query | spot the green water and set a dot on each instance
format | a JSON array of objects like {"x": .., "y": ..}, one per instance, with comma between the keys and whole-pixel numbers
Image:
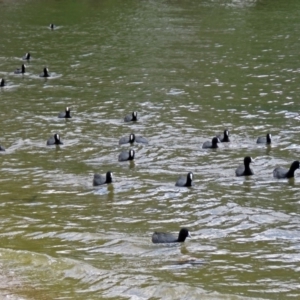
[{"x": 190, "y": 69}]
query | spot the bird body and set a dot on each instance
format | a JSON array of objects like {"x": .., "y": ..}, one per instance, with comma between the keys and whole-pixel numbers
[
  {"x": 21, "y": 71},
  {"x": 224, "y": 138},
  {"x": 26, "y": 56},
  {"x": 126, "y": 139},
  {"x": 211, "y": 145},
  {"x": 45, "y": 73},
  {"x": 245, "y": 170},
  {"x": 124, "y": 155},
  {"x": 132, "y": 138},
  {"x": 100, "y": 179},
  {"x": 54, "y": 140},
  {"x": 280, "y": 172},
  {"x": 163, "y": 237},
  {"x": 131, "y": 117},
  {"x": 185, "y": 180},
  {"x": 65, "y": 114},
  {"x": 264, "y": 139}
]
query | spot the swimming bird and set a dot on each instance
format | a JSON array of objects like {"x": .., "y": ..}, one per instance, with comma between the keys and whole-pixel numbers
[
  {"x": 54, "y": 140},
  {"x": 124, "y": 155},
  {"x": 45, "y": 73},
  {"x": 65, "y": 114},
  {"x": 21, "y": 71},
  {"x": 26, "y": 56},
  {"x": 131, "y": 117},
  {"x": 245, "y": 170},
  {"x": 2, "y": 82},
  {"x": 281, "y": 172},
  {"x": 212, "y": 145},
  {"x": 126, "y": 139},
  {"x": 162, "y": 237},
  {"x": 185, "y": 180},
  {"x": 264, "y": 139},
  {"x": 132, "y": 138},
  {"x": 51, "y": 26},
  {"x": 224, "y": 138},
  {"x": 2, "y": 148},
  {"x": 100, "y": 179}
]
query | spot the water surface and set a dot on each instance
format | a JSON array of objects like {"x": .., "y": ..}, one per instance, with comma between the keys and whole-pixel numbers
[{"x": 190, "y": 69}]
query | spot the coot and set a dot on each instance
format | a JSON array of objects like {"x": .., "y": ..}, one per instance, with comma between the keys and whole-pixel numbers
[
  {"x": 185, "y": 180},
  {"x": 101, "y": 179},
  {"x": 245, "y": 170},
  {"x": 65, "y": 114},
  {"x": 26, "y": 56},
  {"x": 54, "y": 140},
  {"x": 224, "y": 138},
  {"x": 264, "y": 139},
  {"x": 162, "y": 237},
  {"x": 45, "y": 73},
  {"x": 211, "y": 145},
  {"x": 21, "y": 71},
  {"x": 131, "y": 117},
  {"x": 132, "y": 138},
  {"x": 281, "y": 172},
  {"x": 127, "y": 155},
  {"x": 126, "y": 139}
]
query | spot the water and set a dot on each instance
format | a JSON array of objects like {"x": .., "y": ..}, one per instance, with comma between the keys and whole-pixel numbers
[{"x": 190, "y": 69}]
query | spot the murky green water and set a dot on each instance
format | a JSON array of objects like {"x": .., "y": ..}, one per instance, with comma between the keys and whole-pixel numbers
[{"x": 190, "y": 69}]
